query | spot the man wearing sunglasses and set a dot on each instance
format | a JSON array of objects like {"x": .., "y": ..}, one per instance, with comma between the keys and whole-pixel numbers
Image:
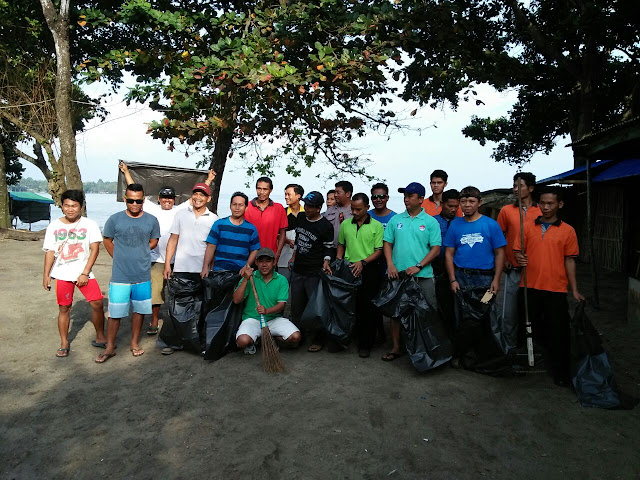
[
  {"x": 165, "y": 211},
  {"x": 129, "y": 237}
]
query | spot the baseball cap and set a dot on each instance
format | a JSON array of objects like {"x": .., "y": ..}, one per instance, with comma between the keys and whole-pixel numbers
[
  {"x": 315, "y": 199},
  {"x": 202, "y": 187},
  {"x": 167, "y": 192},
  {"x": 265, "y": 252},
  {"x": 413, "y": 187}
]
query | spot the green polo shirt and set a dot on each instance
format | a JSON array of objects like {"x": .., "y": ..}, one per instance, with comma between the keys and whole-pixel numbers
[
  {"x": 276, "y": 290},
  {"x": 412, "y": 239},
  {"x": 360, "y": 242}
]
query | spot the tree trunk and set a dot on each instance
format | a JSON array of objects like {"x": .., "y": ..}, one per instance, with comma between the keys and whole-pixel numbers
[
  {"x": 223, "y": 144},
  {"x": 58, "y": 24},
  {"x": 5, "y": 221}
]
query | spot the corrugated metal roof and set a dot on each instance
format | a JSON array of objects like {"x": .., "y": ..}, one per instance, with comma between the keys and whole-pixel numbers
[
  {"x": 629, "y": 167},
  {"x": 589, "y": 138},
  {"x": 576, "y": 173},
  {"x": 29, "y": 197}
]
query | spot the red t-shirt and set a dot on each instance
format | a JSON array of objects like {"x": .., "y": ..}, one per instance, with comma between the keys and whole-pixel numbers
[
  {"x": 268, "y": 222},
  {"x": 509, "y": 221},
  {"x": 430, "y": 207}
]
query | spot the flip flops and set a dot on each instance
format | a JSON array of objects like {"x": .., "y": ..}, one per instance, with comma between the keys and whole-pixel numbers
[
  {"x": 100, "y": 344},
  {"x": 390, "y": 356},
  {"x": 152, "y": 330},
  {"x": 63, "y": 352},
  {"x": 137, "y": 352},
  {"x": 103, "y": 357}
]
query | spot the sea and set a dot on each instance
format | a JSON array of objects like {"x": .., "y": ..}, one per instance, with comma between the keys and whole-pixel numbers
[{"x": 100, "y": 206}]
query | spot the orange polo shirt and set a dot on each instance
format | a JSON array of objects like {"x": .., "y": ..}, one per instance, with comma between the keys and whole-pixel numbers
[
  {"x": 430, "y": 207},
  {"x": 546, "y": 253},
  {"x": 509, "y": 221}
]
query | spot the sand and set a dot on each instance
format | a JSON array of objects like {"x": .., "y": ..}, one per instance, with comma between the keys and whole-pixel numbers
[{"x": 330, "y": 416}]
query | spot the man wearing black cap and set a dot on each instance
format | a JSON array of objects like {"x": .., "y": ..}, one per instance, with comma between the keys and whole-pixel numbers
[
  {"x": 165, "y": 212},
  {"x": 311, "y": 255}
]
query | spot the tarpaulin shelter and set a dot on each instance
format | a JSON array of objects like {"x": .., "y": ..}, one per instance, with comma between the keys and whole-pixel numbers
[
  {"x": 154, "y": 177},
  {"x": 29, "y": 207}
]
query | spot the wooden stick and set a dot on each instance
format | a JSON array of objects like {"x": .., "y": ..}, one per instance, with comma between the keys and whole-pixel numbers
[
  {"x": 527, "y": 321},
  {"x": 271, "y": 361}
]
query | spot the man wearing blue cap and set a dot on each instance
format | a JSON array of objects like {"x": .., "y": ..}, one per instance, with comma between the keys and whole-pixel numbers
[{"x": 411, "y": 242}]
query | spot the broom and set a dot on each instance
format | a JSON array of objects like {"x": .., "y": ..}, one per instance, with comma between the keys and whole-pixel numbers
[
  {"x": 271, "y": 361},
  {"x": 527, "y": 320}
]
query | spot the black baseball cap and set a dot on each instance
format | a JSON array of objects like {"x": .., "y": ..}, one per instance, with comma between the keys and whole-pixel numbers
[
  {"x": 315, "y": 199},
  {"x": 167, "y": 192}
]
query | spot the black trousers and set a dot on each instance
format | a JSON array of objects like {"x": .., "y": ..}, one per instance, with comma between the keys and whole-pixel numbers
[
  {"x": 302, "y": 287},
  {"x": 549, "y": 316},
  {"x": 368, "y": 317}
]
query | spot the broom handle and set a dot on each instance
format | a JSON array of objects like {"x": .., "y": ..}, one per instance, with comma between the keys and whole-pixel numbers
[
  {"x": 527, "y": 322},
  {"x": 263, "y": 321}
]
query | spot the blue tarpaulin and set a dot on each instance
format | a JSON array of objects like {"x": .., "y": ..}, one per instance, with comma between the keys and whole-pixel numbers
[{"x": 602, "y": 171}]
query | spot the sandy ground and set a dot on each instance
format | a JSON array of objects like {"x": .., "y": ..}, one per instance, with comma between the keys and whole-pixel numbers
[{"x": 330, "y": 416}]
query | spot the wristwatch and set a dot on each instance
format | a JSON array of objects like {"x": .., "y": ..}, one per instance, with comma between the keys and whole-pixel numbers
[
  {"x": 418, "y": 266},
  {"x": 363, "y": 262}
]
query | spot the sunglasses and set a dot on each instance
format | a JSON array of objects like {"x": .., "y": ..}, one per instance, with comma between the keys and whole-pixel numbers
[
  {"x": 139, "y": 201},
  {"x": 378, "y": 197}
]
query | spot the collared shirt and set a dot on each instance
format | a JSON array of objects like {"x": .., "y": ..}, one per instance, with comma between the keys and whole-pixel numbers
[
  {"x": 360, "y": 241},
  {"x": 336, "y": 215},
  {"x": 546, "y": 253},
  {"x": 509, "y": 221},
  {"x": 192, "y": 243},
  {"x": 412, "y": 239},
  {"x": 269, "y": 222},
  {"x": 287, "y": 251},
  {"x": 444, "y": 226},
  {"x": 432, "y": 209},
  {"x": 270, "y": 293}
]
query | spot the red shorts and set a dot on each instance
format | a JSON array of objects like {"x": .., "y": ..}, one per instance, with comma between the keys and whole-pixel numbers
[{"x": 64, "y": 291}]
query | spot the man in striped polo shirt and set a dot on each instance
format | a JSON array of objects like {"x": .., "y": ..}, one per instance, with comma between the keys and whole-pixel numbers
[{"x": 232, "y": 242}]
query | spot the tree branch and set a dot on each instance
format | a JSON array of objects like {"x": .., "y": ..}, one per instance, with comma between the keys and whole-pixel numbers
[
  {"x": 42, "y": 166},
  {"x": 23, "y": 126}
]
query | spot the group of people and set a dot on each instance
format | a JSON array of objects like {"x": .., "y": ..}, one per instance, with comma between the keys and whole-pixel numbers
[{"x": 441, "y": 240}]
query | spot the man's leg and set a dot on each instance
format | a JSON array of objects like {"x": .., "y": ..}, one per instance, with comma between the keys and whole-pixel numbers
[
  {"x": 141, "y": 306},
  {"x": 557, "y": 310},
  {"x": 119, "y": 303},
  {"x": 365, "y": 310},
  {"x": 63, "y": 330},
  {"x": 284, "y": 330},
  {"x": 247, "y": 335},
  {"x": 157, "y": 284},
  {"x": 93, "y": 295}
]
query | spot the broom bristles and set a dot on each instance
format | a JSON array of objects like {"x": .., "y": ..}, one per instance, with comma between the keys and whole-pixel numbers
[{"x": 271, "y": 361}]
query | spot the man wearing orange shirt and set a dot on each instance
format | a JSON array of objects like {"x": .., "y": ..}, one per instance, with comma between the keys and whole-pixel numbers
[
  {"x": 550, "y": 249},
  {"x": 433, "y": 204},
  {"x": 509, "y": 221}
]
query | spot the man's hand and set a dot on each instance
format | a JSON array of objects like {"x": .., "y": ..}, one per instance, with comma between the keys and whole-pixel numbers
[
  {"x": 248, "y": 272},
  {"x": 242, "y": 270},
  {"x": 82, "y": 280},
  {"x": 326, "y": 268},
  {"x": 411, "y": 271},
  {"x": 204, "y": 273},
  {"x": 455, "y": 286},
  {"x": 261, "y": 310},
  {"x": 577, "y": 295},
  {"x": 356, "y": 269},
  {"x": 392, "y": 272},
  {"x": 507, "y": 265},
  {"x": 211, "y": 176},
  {"x": 46, "y": 282},
  {"x": 167, "y": 271},
  {"x": 123, "y": 167},
  {"x": 290, "y": 242},
  {"x": 522, "y": 259},
  {"x": 495, "y": 286},
  {"x": 277, "y": 259}
]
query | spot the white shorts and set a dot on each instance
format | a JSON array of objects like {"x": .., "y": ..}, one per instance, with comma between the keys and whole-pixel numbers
[{"x": 279, "y": 327}]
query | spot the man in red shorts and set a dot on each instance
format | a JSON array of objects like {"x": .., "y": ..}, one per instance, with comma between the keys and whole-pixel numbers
[{"x": 71, "y": 246}]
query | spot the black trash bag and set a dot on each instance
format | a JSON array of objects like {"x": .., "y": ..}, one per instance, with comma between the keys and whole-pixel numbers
[
  {"x": 221, "y": 326},
  {"x": 180, "y": 330},
  {"x": 426, "y": 341},
  {"x": 216, "y": 287},
  {"x": 475, "y": 341},
  {"x": 332, "y": 307},
  {"x": 591, "y": 371}
]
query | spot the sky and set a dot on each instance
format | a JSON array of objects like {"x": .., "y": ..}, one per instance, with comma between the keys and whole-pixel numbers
[{"x": 403, "y": 158}]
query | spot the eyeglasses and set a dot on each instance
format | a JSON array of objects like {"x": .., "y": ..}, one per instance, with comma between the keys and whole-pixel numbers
[
  {"x": 139, "y": 201},
  {"x": 378, "y": 197}
]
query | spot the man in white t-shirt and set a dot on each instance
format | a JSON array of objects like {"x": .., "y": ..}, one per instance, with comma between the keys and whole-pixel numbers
[
  {"x": 165, "y": 211},
  {"x": 71, "y": 245}
]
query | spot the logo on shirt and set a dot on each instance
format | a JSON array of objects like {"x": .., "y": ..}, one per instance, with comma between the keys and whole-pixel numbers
[
  {"x": 471, "y": 239},
  {"x": 422, "y": 228},
  {"x": 400, "y": 225}
]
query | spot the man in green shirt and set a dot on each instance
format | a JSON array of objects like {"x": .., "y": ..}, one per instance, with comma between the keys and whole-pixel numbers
[
  {"x": 411, "y": 242},
  {"x": 360, "y": 244},
  {"x": 273, "y": 292}
]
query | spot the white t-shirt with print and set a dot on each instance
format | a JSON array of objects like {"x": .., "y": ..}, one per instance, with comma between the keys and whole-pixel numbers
[{"x": 71, "y": 244}]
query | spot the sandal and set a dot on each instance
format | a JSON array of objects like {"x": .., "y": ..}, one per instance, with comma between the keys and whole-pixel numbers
[
  {"x": 137, "y": 352},
  {"x": 390, "y": 356},
  {"x": 315, "y": 348},
  {"x": 103, "y": 357},
  {"x": 63, "y": 352},
  {"x": 152, "y": 330}
]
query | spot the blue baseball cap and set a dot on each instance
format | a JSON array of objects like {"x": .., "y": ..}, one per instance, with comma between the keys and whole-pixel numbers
[{"x": 414, "y": 187}]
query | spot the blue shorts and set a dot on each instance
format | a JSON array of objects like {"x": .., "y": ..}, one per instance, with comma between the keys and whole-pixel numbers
[{"x": 121, "y": 295}]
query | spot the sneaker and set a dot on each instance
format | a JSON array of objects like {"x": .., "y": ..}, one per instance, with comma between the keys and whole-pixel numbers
[{"x": 250, "y": 350}]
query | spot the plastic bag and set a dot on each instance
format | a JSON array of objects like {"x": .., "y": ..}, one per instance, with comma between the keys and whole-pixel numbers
[
  {"x": 332, "y": 306},
  {"x": 425, "y": 338},
  {"x": 216, "y": 287},
  {"x": 591, "y": 371},
  {"x": 180, "y": 330}
]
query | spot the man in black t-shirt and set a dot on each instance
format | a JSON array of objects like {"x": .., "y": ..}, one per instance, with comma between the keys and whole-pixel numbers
[{"x": 311, "y": 255}]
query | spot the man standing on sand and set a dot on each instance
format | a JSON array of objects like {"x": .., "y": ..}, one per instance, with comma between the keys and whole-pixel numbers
[
  {"x": 433, "y": 204},
  {"x": 360, "y": 244},
  {"x": 129, "y": 237},
  {"x": 341, "y": 210},
  {"x": 165, "y": 212},
  {"x": 268, "y": 217},
  {"x": 292, "y": 195},
  {"x": 475, "y": 253},
  {"x": 549, "y": 253},
  {"x": 273, "y": 292},
  {"x": 312, "y": 254},
  {"x": 71, "y": 245},
  {"x": 232, "y": 242},
  {"x": 411, "y": 242},
  {"x": 509, "y": 221}
]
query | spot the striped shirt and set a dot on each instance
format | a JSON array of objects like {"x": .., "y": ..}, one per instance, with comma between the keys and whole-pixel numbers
[{"x": 233, "y": 243}]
